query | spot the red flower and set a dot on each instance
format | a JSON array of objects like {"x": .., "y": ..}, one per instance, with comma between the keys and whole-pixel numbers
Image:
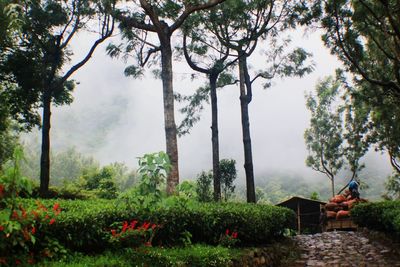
[
  {"x": 113, "y": 232},
  {"x": 234, "y": 235},
  {"x": 17, "y": 262},
  {"x": 133, "y": 224},
  {"x": 154, "y": 226},
  {"x": 52, "y": 221},
  {"x": 147, "y": 244},
  {"x": 227, "y": 232},
  {"x": 1, "y": 228},
  {"x": 56, "y": 206},
  {"x": 146, "y": 225},
  {"x": 33, "y": 231},
  {"x": 125, "y": 226}
]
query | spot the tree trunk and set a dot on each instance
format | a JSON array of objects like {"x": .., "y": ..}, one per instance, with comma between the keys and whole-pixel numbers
[
  {"x": 45, "y": 156},
  {"x": 214, "y": 136},
  {"x": 245, "y": 99},
  {"x": 169, "y": 117},
  {"x": 333, "y": 186}
]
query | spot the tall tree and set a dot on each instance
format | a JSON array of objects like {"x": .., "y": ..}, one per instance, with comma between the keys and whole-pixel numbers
[
  {"x": 11, "y": 17},
  {"x": 260, "y": 20},
  {"x": 365, "y": 35},
  {"x": 42, "y": 52},
  {"x": 324, "y": 137},
  {"x": 206, "y": 55},
  {"x": 162, "y": 18}
]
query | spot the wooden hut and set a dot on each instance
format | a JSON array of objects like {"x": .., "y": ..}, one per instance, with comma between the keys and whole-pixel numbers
[{"x": 307, "y": 211}]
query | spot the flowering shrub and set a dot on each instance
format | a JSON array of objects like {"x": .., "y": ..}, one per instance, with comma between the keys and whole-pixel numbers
[
  {"x": 229, "y": 239},
  {"x": 22, "y": 231},
  {"x": 132, "y": 235}
]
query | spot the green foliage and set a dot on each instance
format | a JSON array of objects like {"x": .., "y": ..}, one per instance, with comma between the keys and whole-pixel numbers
[
  {"x": 23, "y": 232},
  {"x": 12, "y": 179},
  {"x": 188, "y": 189},
  {"x": 228, "y": 176},
  {"x": 380, "y": 216},
  {"x": 197, "y": 256},
  {"x": 315, "y": 196},
  {"x": 393, "y": 187},
  {"x": 103, "y": 182},
  {"x": 324, "y": 137},
  {"x": 203, "y": 186},
  {"x": 359, "y": 33},
  {"x": 153, "y": 169},
  {"x": 85, "y": 225},
  {"x": 193, "y": 109}
]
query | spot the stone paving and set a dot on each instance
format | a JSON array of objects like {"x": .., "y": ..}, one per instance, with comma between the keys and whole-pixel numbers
[{"x": 344, "y": 249}]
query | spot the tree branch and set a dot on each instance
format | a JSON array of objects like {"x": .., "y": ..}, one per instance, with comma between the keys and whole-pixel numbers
[
  {"x": 151, "y": 13},
  {"x": 340, "y": 43},
  {"x": 189, "y": 59},
  {"x": 129, "y": 22},
  {"x": 190, "y": 9},
  {"x": 74, "y": 68}
]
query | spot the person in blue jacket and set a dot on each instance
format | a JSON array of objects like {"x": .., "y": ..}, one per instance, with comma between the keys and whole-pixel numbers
[{"x": 353, "y": 187}]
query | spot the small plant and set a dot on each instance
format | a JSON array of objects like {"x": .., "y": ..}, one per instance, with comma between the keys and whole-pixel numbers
[
  {"x": 203, "y": 186},
  {"x": 130, "y": 235},
  {"x": 229, "y": 239},
  {"x": 228, "y": 176},
  {"x": 153, "y": 170}
]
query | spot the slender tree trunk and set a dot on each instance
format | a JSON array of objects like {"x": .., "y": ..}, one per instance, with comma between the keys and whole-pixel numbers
[
  {"x": 395, "y": 164},
  {"x": 45, "y": 156},
  {"x": 333, "y": 186},
  {"x": 244, "y": 104},
  {"x": 214, "y": 136},
  {"x": 169, "y": 117}
]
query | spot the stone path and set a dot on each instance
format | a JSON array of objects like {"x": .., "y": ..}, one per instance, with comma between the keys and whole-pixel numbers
[{"x": 344, "y": 249}]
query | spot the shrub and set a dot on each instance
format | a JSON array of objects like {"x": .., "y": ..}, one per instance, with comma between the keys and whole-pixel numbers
[
  {"x": 381, "y": 216},
  {"x": 23, "y": 231},
  {"x": 203, "y": 186},
  {"x": 86, "y": 225},
  {"x": 194, "y": 256}
]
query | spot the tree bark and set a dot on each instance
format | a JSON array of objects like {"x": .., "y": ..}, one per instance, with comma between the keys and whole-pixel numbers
[
  {"x": 169, "y": 117},
  {"x": 333, "y": 186},
  {"x": 214, "y": 135},
  {"x": 245, "y": 98},
  {"x": 45, "y": 153}
]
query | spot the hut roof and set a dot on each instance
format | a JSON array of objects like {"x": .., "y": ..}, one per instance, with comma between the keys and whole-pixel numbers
[{"x": 292, "y": 202}]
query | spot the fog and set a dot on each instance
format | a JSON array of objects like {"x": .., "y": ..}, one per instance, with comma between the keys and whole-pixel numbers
[{"x": 118, "y": 118}]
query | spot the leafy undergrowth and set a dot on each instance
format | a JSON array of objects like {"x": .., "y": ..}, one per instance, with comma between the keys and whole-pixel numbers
[
  {"x": 282, "y": 253},
  {"x": 196, "y": 255},
  {"x": 380, "y": 216}
]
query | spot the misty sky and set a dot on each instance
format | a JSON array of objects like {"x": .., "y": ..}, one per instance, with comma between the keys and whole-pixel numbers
[{"x": 118, "y": 118}]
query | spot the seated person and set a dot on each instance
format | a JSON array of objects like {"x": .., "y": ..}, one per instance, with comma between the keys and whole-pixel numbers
[{"x": 353, "y": 187}]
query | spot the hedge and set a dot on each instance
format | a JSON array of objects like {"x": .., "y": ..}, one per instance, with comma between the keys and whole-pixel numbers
[
  {"x": 381, "y": 216},
  {"x": 84, "y": 225}
]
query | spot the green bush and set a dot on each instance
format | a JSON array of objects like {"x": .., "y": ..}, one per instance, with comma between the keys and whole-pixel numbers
[
  {"x": 381, "y": 216},
  {"x": 85, "y": 225},
  {"x": 194, "y": 256}
]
